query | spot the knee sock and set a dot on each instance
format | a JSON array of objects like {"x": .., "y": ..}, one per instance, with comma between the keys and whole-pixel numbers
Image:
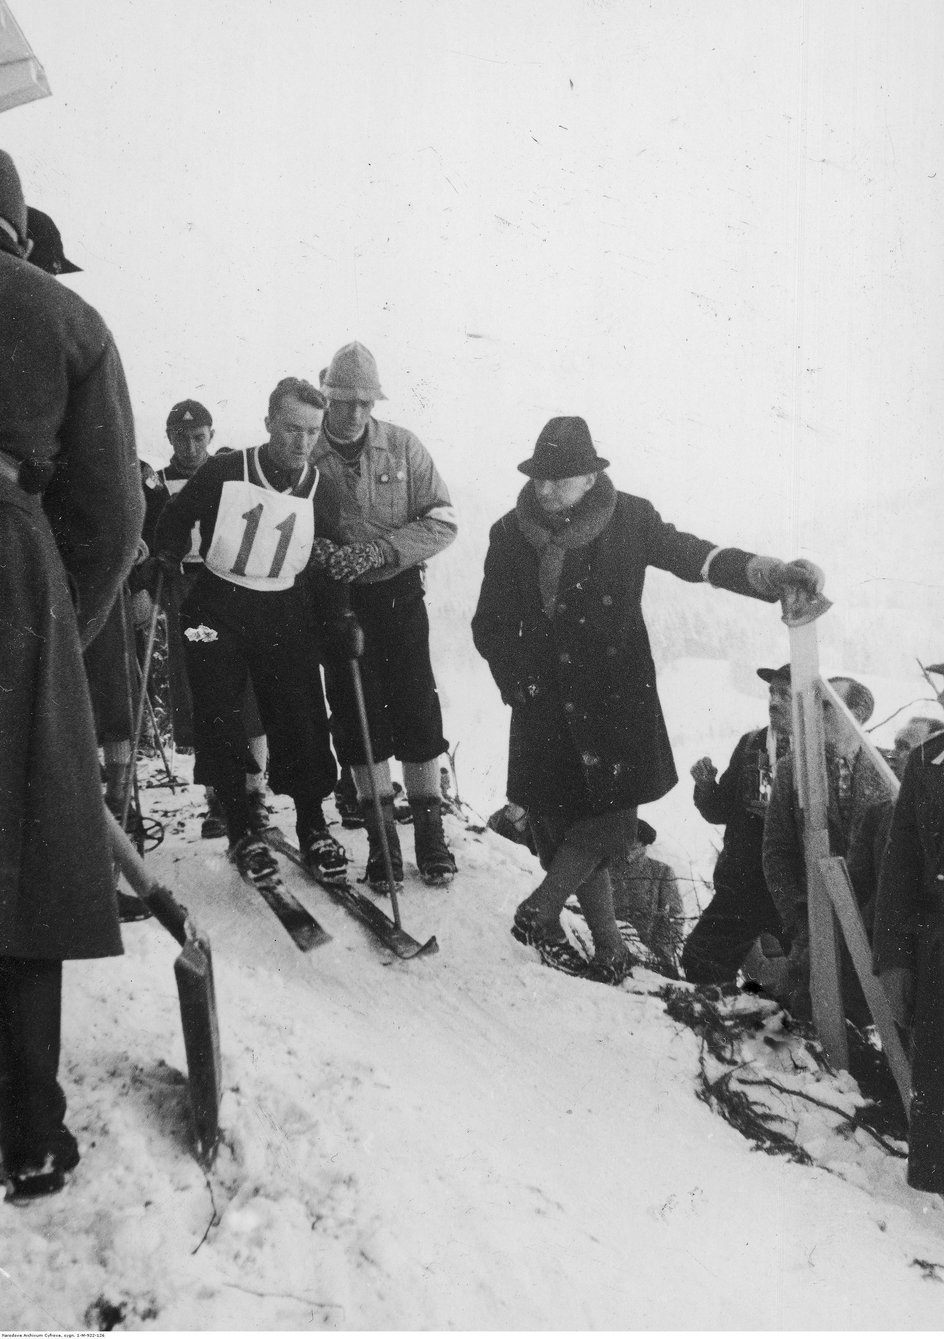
[
  {"x": 421, "y": 780},
  {"x": 571, "y": 867},
  {"x": 381, "y": 776},
  {"x": 117, "y": 754},
  {"x": 259, "y": 752}
]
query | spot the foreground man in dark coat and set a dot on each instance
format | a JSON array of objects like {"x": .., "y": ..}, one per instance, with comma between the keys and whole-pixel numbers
[
  {"x": 908, "y": 950},
  {"x": 70, "y": 516},
  {"x": 559, "y": 621}
]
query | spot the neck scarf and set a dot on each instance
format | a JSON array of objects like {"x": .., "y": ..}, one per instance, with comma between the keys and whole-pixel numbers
[{"x": 551, "y": 536}]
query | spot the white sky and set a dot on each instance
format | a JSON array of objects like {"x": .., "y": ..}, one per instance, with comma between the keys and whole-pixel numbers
[{"x": 711, "y": 227}]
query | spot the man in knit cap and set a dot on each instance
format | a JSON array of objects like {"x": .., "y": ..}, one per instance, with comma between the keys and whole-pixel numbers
[
  {"x": 560, "y": 622},
  {"x": 396, "y": 514},
  {"x": 70, "y": 517}
]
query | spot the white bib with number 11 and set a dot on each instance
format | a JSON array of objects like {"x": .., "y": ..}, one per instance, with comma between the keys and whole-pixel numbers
[{"x": 262, "y": 538}]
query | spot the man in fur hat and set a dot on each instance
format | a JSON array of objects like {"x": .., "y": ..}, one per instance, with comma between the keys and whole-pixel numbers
[{"x": 559, "y": 621}]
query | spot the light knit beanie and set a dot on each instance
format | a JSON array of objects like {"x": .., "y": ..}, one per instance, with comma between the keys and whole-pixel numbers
[{"x": 353, "y": 375}]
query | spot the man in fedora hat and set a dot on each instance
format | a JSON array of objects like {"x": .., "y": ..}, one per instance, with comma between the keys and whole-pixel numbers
[
  {"x": 70, "y": 518},
  {"x": 559, "y": 621},
  {"x": 396, "y": 514},
  {"x": 741, "y": 909}
]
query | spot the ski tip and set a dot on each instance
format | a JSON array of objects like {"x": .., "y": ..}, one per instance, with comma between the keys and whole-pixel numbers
[{"x": 311, "y": 938}]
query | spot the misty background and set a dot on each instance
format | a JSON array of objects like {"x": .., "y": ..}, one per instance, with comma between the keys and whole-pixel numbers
[{"x": 710, "y": 227}]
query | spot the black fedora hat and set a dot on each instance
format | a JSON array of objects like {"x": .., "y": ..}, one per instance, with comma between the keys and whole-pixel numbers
[
  {"x": 563, "y": 450},
  {"x": 769, "y": 675},
  {"x": 47, "y": 252}
]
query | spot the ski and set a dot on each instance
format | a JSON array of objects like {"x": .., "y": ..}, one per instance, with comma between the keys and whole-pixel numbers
[
  {"x": 356, "y": 903},
  {"x": 300, "y": 925}
]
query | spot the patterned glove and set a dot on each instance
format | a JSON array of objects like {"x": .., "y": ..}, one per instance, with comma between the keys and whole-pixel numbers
[
  {"x": 322, "y": 550},
  {"x": 770, "y": 577},
  {"x": 353, "y": 560}
]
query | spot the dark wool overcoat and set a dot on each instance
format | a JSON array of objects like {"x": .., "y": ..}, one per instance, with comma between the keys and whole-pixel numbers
[
  {"x": 909, "y": 932},
  {"x": 587, "y": 731},
  {"x": 62, "y": 400}
]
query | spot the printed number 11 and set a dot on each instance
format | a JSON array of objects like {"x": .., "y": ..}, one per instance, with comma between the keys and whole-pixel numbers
[{"x": 252, "y": 519}]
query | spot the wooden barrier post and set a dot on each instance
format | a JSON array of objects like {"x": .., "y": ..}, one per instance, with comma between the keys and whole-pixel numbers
[
  {"x": 843, "y": 899},
  {"x": 809, "y": 752}
]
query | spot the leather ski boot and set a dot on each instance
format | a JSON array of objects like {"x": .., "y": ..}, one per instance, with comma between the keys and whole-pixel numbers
[
  {"x": 433, "y": 857},
  {"x": 376, "y": 875}
]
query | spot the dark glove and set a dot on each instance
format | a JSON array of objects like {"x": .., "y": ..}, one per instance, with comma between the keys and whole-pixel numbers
[
  {"x": 160, "y": 563},
  {"x": 346, "y": 637},
  {"x": 770, "y": 577},
  {"x": 353, "y": 560},
  {"x": 322, "y": 550}
]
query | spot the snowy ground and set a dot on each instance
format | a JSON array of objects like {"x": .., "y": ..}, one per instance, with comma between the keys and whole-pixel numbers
[{"x": 469, "y": 1141}]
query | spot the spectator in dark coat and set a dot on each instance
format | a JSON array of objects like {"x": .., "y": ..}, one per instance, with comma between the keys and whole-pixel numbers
[
  {"x": 70, "y": 517},
  {"x": 908, "y": 951},
  {"x": 854, "y": 788},
  {"x": 868, "y": 845},
  {"x": 559, "y": 621},
  {"x": 741, "y": 909}
]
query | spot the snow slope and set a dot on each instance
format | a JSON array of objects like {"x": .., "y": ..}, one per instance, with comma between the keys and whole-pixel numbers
[{"x": 469, "y": 1141}]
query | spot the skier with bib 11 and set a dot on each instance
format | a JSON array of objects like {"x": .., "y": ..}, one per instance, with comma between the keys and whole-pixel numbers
[{"x": 248, "y": 617}]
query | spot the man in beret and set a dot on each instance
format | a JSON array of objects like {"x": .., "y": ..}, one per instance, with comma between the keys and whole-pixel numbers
[
  {"x": 559, "y": 621},
  {"x": 741, "y": 909},
  {"x": 70, "y": 519},
  {"x": 396, "y": 514}
]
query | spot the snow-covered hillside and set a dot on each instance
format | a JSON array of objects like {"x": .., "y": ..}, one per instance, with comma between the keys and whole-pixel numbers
[{"x": 467, "y": 1141}]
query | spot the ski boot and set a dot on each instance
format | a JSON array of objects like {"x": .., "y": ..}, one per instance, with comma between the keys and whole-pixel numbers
[
  {"x": 48, "y": 1176},
  {"x": 253, "y": 858},
  {"x": 611, "y": 971},
  {"x": 433, "y": 857},
  {"x": 531, "y": 925},
  {"x": 325, "y": 857},
  {"x": 376, "y": 873},
  {"x": 214, "y": 820}
]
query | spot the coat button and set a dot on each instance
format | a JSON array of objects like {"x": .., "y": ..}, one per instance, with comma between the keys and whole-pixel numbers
[
  {"x": 400, "y": 474},
  {"x": 385, "y": 478},
  {"x": 565, "y": 657},
  {"x": 569, "y": 707},
  {"x": 590, "y": 760},
  {"x": 608, "y": 599}
]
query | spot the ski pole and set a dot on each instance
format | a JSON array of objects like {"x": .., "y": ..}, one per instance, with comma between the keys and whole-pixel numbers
[
  {"x": 130, "y": 782},
  {"x": 171, "y": 779},
  {"x": 348, "y": 615},
  {"x": 145, "y": 671},
  {"x": 374, "y": 789}
]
